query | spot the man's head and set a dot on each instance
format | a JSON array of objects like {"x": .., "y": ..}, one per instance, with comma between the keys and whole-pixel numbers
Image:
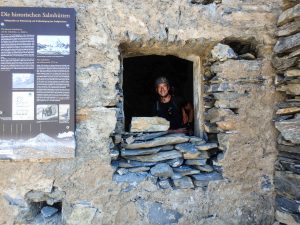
[{"x": 162, "y": 86}]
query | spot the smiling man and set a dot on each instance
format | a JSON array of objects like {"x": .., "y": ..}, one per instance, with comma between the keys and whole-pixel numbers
[{"x": 170, "y": 107}]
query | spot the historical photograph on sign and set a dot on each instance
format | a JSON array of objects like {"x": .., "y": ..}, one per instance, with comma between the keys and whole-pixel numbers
[
  {"x": 64, "y": 113},
  {"x": 22, "y": 105},
  {"x": 46, "y": 112},
  {"x": 53, "y": 45},
  {"x": 23, "y": 80}
]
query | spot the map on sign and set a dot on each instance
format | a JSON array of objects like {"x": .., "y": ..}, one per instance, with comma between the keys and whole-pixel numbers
[{"x": 37, "y": 83}]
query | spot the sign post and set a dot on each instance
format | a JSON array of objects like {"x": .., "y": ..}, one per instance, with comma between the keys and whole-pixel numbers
[{"x": 37, "y": 83}]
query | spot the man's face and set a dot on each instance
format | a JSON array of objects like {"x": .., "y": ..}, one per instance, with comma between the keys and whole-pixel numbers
[{"x": 162, "y": 89}]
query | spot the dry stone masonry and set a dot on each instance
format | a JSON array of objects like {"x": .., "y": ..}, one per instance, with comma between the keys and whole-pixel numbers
[
  {"x": 168, "y": 160},
  {"x": 287, "y": 120}
]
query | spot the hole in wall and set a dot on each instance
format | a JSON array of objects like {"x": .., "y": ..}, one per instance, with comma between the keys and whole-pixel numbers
[{"x": 245, "y": 48}]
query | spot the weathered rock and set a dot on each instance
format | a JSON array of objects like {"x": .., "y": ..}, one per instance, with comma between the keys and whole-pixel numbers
[
  {"x": 200, "y": 183},
  {"x": 286, "y": 4},
  {"x": 289, "y": 15},
  {"x": 211, "y": 128},
  {"x": 283, "y": 63},
  {"x": 227, "y": 104},
  {"x": 183, "y": 183},
  {"x": 48, "y": 211},
  {"x": 145, "y": 151},
  {"x": 158, "y": 215},
  {"x": 195, "y": 162},
  {"x": 220, "y": 87},
  {"x": 190, "y": 155},
  {"x": 247, "y": 56},
  {"x": 290, "y": 130},
  {"x": 162, "y": 170},
  {"x": 167, "y": 147},
  {"x": 207, "y": 176},
  {"x": 207, "y": 146},
  {"x": 291, "y": 149},
  {"x": 289, "y": 29},
  {"x": 130, "y": 177},
  {"x": 223, "y": 52},
  {"x": 186, "y": 148},
  {"x": 224, "y": 141},
  {"x": 131, "y": 163},
  {"x": 196, "y": 140},
  {"x": 175, "y": 162},
  {"x": 288, "y": 205},
  {"x": 146, "y": 137},
  {"x": 217, "y": 114},
  {"x": 122, "y": 171},
  {"x": 288, "y": 104},
  {"x": 287, "y": 44},
  {"x": 286, "y": 218},
  {"x": 292, "y": 73},
  {"x": 114, "y": 154},
  {"x": 166, "y": 140},
  {"x": 138, "y": 169},
  {"x": 185, "y": 170},
  {"x": 295, "y": 53},
  {"x": 160, "y": 156},
  {"x": 229, "y": 124},
  {"x": 176, "y": 176},
  {"x": 292, "y": 89},
  {"x": 82, "y": 214},
  {"x": 165, "y": 184},
  {"x": 287, "y": 184},
  {"x": 149, "y": 124},
  {"x": 205, "y": 168},
  {"x": 285, "y": 111}
]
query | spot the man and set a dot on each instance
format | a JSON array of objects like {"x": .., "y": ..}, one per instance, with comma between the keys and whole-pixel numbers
[{"x": 167, "y": 106}]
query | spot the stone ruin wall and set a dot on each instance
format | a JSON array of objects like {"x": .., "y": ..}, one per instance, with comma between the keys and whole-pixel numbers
[{"x": 107, "y": 31}]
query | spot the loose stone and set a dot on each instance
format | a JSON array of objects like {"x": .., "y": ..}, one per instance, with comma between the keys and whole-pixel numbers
[
  {"x": 290, "y": 130},
  {"x": 196, "y": 162},
  {"x": 149, "y": 124},
  {"x": 223, "y": 52},
  {"x": 166, "y": 140},
  {"x": 186, "y": 148},
  {"x": 185, "y": 170},
  {"x": 145, "y": 151},
  {"x": 162, "y": 170},
  {"x": 192, "y": 155},
  {"x": 207, "y": 176},
  {"x": 183, "y": 183},
  {"x": 48, "y": 211},
  {"x": 160, "y": 156},
  {"x": 122, "y": 171},
  {"x": 131, "y": 163},
  {"x": 285, "y": 111},
  {"x": 146, "y": 137},
  {"x": 138, "y": 169},
  {"x": 196, "y": 140},
  {"x": 206, "y": 146}
]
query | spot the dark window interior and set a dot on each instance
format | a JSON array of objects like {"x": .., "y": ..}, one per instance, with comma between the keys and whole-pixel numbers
[{"x": 139, "y": 78}]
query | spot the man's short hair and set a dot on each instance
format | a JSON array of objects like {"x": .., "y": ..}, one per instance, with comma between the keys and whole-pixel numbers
[{"x": 161, "y": 80}]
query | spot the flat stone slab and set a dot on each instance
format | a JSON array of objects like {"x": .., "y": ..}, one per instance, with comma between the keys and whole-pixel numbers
[
  {"x": 189, "y": 155},
  {"x": 196, "y": 140},
  {"x": 175, "y": 162},
  {"x": 149, "y": 124},
  {"x": 131, "y": 163},
  {"x": 145, "y": 151},
  {"x": 162, "y": 170},
  {"x": 138, "y": 169},
  {"x": 207, "y": 176},
  {"x": 186, "y": 148},
  {"x": 287, "y": 44},
  {"x": 160, "y": 156},
  {"x": 290, "y": 130},
  {"x": 130, "y": 177},
  {"x": 166, "y": 140},
  {"x": 147, "y": 137},
  {"x": 205, "y": 168},
  {"x": 183, "y": 183},
  {"x": 195, "y": 162},
  {"x": 292, "y": 89},
  {"x": 286, "y": 111},
  {"x": 48, "y": 211},
  {"x": 186, "y": 170},
  {"x": 206, "y": 146},
  {"x": 164, "y": 184},
  {"x": 292, "y": 73},
  {"x": 289, "y": 15}
]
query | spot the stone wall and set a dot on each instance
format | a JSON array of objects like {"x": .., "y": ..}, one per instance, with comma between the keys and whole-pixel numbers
[
  {"x": 240, "y": 115},
  {"x": 287, "y": 119}
]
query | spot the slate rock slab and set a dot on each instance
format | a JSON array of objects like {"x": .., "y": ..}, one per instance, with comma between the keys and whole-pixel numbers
[
  {"x": 130, "y": 177},
  {"x": 175, "y": 162},
  {"x": 162, "y": 170},
  {"x": 207, "y": 176},
  {"x": 48, "y": 211},
  {"x": 149, "y": 124},
  {"x": 160, "y": 156},
  {"x": 223, "y": 52},
  {"x": 165, "y": 140},
  {"x": 183, "y": 183},
  {"x": 287, "y": 44},
  {"x": 186, "y": 148},
  {"x": 186, "y": 170},
  {"x": 289, "y": 15},
  {"x": 131, "y": 163},
  {"x": 196, "y": 162},
  {"x": 146, "y": 137},
  {"x": 145, "y": 151},
  {"x": 206, "y": 146},
  {"x": 290, "y": 130},
  {"x": 164, "y": 184}
]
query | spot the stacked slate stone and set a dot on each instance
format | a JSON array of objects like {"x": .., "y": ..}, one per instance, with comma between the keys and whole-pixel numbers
[
  {"x": 149, "y": 151},
  {"x": 287, "y": 121}
]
